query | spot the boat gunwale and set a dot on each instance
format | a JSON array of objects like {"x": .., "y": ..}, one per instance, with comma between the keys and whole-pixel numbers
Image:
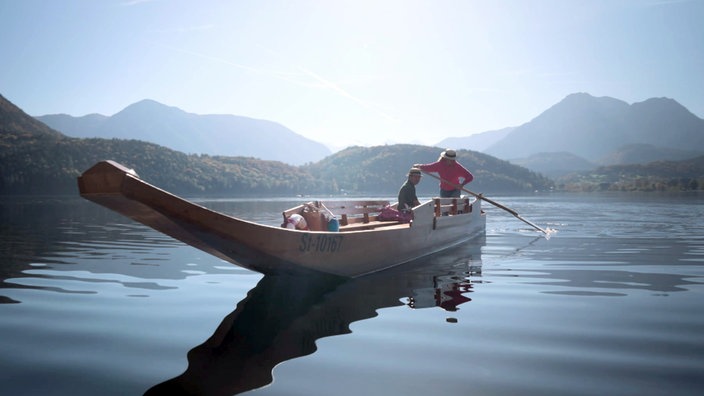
[{"x": 193, "y": 222}]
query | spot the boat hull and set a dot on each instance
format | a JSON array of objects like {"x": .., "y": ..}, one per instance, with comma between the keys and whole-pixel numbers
[{"x": 268, "y": 249}]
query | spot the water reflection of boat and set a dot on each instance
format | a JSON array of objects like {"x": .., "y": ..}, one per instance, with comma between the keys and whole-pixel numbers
[{"x": 282, "y": 317}]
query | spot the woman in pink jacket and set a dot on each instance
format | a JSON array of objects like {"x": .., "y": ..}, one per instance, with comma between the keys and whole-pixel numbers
[{"x": 453, "y": 175}]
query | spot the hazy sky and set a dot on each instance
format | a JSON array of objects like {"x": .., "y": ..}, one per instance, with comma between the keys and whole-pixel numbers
[{"x": 359, "y": 71}]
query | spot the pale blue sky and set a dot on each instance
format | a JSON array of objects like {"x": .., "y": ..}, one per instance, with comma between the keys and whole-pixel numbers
[{"x": 350, "y": 72}]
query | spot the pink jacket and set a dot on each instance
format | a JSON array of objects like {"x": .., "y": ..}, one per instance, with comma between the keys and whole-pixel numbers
[{"x": 450, "y": 171}]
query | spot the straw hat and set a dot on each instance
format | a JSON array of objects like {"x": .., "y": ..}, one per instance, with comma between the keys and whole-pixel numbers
[
  {"x": 414, "y": 171},
  {"x": 449, "y": 154}
]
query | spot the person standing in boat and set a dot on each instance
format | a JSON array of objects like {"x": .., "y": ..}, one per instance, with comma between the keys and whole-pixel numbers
[
  {"x": 453, "y": 174},
  {"x": 407, "y": 198}
]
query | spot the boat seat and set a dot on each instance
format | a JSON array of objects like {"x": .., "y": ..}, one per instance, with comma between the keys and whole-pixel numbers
[
  {"x": 452, "y": 206},
  {"x": 370, "y": 225},
  {"x": 353, "y": 212}
]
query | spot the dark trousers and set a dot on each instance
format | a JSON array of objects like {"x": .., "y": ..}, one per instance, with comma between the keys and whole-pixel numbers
[{"x": 449, "y": 193}]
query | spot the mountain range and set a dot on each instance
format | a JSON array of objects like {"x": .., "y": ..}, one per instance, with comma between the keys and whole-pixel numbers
[
  {"x": 579, "y": 133},
  {"x": 583, "y": 132},
  {"x": 213, "y": 134},
  {"x": 37, "y": 160}
]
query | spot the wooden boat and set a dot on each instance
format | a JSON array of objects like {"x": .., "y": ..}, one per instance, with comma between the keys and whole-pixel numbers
[{"x": 363, "y": 244}]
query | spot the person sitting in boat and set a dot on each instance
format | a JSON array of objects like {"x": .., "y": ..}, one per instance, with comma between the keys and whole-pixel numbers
[
  {"x": 407, "y": 198},
  {"x": 453, "y": 175}
]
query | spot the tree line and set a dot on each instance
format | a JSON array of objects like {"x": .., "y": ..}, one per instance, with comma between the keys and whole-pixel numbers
[
  {"x": 48, "y": 162},
  {"x": 655, "y": 176}
]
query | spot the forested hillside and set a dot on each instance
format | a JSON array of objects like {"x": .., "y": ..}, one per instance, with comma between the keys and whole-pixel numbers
[
  {"x": 655, "y": 176},
  {"x": 35, "y": 159},
  {"x": 53, "y": 168},
  {"x": 383, "y": 168}
]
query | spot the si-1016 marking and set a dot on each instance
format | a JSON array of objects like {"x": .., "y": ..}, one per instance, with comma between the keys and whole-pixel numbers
[{"x": 321, "y": 243}]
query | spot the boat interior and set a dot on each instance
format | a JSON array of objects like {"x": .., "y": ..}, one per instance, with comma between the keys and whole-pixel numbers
[{"x": 364, "y": 214}]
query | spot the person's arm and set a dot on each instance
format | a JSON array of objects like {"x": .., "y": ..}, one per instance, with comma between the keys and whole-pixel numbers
[
  {"x": 414, "y": 197},
  {"x": 431, "y": 167},
  {"x": 466, "y": 175}
]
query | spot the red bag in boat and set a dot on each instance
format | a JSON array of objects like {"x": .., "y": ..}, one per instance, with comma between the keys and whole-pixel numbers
[{"x": 387, "y": 213}]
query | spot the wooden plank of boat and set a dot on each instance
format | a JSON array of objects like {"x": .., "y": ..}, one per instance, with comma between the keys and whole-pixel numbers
[{"x": 437, "y": 225}]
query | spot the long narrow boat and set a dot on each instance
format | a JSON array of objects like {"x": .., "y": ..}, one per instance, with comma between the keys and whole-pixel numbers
[{"x": 361, "y": 244}]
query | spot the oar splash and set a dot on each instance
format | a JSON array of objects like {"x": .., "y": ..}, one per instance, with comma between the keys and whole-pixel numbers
[{"x": 547, "y": 232}]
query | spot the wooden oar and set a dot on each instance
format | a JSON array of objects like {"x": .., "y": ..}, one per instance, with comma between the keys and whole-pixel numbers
[{"x": 498, "y": 205}]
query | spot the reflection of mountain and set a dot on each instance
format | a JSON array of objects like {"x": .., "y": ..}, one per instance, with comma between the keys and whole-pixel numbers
[{"x": 283, "y": 316}]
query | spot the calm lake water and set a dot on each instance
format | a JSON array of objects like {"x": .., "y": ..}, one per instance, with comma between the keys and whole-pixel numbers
[{"x": 92, "y": 303}]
